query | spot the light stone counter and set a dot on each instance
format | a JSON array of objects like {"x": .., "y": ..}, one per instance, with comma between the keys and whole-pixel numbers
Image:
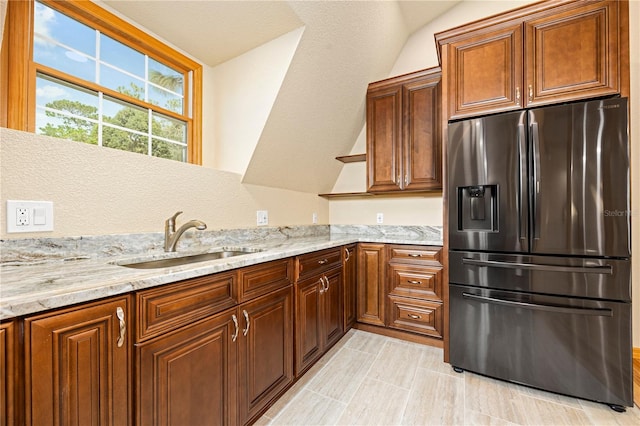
[{"x": 38, "y": 275}]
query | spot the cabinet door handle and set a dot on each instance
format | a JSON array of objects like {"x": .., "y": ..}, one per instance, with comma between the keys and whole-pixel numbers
[
  {"x": 326, "y": 280},
  {"x": 235, "y": 322},
  {"x": 518, "y": 95},
  {"x": 414, "y": 255},
  {"x": 123, "y": 326},
  {"x": 321, "y": 280},
  {"x": 530, "y": 93},
  {"x": 246, "y": 318},
  {"x": 322, "y": 262},
  {"x": 414, "y": 316},
  {"x": 414, "y": 282},
  {"x": 346, "y": 251}
]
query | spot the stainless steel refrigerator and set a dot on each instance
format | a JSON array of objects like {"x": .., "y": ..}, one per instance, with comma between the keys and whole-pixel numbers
[{"x": 539, "y": 249}]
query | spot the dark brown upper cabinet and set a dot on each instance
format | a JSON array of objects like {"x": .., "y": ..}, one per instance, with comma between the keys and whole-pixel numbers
[
  {"x": 403, "y": 133},
  {"x": 543, "y": 54}
]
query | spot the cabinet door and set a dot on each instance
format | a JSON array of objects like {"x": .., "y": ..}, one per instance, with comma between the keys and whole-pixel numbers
[
  {"x": 308, "y": 322},
  {"x": 8, "y": 374},
  {"x": 349, "y": 285},
  {"x": 573, "y": 54},
  {"x": 78, "y": 365},
  {"x": 485, "y": 72},
  {"x": 265, "y": 352},
  {"x": 421, "y": 135},
  {"x": 384, "y": 132},
  {"x": 371, "y": 288},
  {"x": 189, "y": 377},
  {"x": 333, "y": 312}
]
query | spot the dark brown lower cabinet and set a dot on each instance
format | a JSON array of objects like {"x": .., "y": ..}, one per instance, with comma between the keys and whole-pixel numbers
[
  {"x": 265, "y": 351},
  {"x": 8, "y": 374},
  {"x": 188, "y": 377},
  {"x": 78, "y": 365},
  {"x": 349, "y": 277},
  {"x": 371, "y": 283},
  {"x": 319, "y": 316}
]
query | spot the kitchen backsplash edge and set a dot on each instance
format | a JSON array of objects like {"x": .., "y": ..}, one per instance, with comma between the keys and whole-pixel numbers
[{"x": 37, "y": 250}]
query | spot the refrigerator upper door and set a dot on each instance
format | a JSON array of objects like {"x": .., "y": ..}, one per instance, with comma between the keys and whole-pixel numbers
[
  {"x": 580, "y": 179},
  {"x": 487, "y": 186}
]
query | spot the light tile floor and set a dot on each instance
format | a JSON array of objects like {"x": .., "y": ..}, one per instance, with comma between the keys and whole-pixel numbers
[{"x": 367, "y": 379}]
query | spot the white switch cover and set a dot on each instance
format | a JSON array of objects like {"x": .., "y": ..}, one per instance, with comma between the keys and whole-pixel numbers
[
  {"x": 29, "y": 216},
  {"x": 262, "y": 217},
  {"x": 314, "y": 218},
  {"x": 379, "y": 218}
]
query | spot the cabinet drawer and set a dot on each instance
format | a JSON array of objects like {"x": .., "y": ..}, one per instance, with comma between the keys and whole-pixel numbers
[
  {"x": 263, "y": 278},
  {"x": 415, "y": 254},
  {"x": 318, "y": 261},
  {"x": 168, "y": 307},
  {"x": 416, "y": 281},
  {"x": 418, "y": 316}
]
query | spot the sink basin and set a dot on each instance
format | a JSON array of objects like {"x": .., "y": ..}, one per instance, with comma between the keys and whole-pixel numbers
[{"x": 184, "y": 260}]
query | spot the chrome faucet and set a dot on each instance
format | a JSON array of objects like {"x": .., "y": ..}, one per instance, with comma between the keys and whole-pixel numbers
[{"x": 171, "y": 236}]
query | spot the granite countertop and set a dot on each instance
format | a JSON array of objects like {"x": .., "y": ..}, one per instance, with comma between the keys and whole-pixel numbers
[{"x": 28, "y": 287}]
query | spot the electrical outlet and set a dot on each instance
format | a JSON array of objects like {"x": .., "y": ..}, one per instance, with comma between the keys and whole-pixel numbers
[
  {"x": 29, "y": 216},
  {"x": 314, "y": 218},
  {"x": 22, "y": 216},
  {"x": 379, "y": 218},
  {"x": 262, "y": 217}
]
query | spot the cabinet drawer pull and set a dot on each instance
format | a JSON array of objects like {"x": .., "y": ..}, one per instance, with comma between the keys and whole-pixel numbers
[
  {"x": 414, "y": 255},
  {"x": 235, "y": 322},
  {"x": 414, "y": 282},
  {"x": 322, "y": 262},
  {"x": 123, "y": 326},
  {"x": 414, "y": 316},
  {"x": 246, "y": 318}
]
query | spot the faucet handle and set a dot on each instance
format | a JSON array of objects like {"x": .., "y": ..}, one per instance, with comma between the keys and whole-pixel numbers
[{"x": 172, "y": 219}]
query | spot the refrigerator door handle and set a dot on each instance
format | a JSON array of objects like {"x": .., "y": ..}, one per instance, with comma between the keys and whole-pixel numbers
[
  {"x": 522, "y": 152},
  {"x": 606, "y": 269},
  {"x": 535, "y": 138},
  {"x": 604, "y": 312}
]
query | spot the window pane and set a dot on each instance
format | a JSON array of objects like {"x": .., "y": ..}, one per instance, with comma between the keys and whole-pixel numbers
[
  {"x": 66, "y": 111},
  {"x": 63, "y": 126},
  {"x": 63, "y": 43},
  {"x": 126, "y": 141},
  {"x": 169, "y": 150},
  {"x": 166, "y": 77},
  {"x": 165, "y": 99},
  {"x": 125, "y": 115},
  {"x": 169, "y": 128},
  {"x": 121, "y": 82},
  {"x": 63, "y": 96},
  {"x": 120, "y": 56}
]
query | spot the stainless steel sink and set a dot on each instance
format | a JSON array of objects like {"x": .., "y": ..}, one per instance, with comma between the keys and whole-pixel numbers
[{"x": 184, "y": 260}]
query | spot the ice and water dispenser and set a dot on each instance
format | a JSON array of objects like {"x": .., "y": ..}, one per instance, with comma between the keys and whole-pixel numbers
[{"x": 477, "y": 208}]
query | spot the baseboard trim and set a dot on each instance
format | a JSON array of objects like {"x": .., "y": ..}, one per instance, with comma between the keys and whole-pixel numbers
[{"x": 410, "y": 337}]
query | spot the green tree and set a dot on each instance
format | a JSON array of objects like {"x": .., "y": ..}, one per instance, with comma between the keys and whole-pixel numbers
[{"x": 73, "y": 128}]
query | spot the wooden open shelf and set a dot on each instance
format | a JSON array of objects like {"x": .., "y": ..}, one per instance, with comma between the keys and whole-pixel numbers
[{"x": 352, "y": 158}]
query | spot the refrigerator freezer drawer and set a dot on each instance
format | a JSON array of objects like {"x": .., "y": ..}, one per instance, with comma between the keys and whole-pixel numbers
[
  {"x": 566, "y": 345},
  {"x": 577, "y": 277}
]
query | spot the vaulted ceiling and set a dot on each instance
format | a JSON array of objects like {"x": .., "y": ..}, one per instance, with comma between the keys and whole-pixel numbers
[{"x": 319, "y": 110}]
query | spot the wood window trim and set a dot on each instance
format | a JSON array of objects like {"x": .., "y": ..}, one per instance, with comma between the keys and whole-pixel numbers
[{"x": 18, "y": 72}]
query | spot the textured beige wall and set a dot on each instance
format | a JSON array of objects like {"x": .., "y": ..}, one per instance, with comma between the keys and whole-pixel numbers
[{"x": 99, "y": 191}]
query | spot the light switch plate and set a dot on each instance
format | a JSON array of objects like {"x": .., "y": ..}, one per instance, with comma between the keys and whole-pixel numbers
[
  {"x": 262, "y": 217},
  {"x": 29, "y": 216}
]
